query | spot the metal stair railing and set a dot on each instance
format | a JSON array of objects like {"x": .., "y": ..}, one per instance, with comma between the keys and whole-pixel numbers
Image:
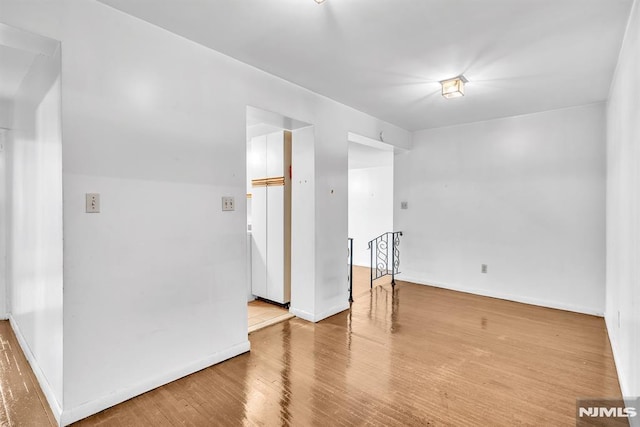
[
  {"x": 383, "y": 249},
  {"x": 350, "y": 258}
]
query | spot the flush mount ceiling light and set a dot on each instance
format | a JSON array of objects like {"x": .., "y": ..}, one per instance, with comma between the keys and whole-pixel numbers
[
  {"x": 453, "y": 88},
  {"x": 319, "y": 1}
]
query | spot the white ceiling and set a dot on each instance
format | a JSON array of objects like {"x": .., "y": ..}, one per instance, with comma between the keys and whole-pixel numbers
[{"x": 386, "y": 57}]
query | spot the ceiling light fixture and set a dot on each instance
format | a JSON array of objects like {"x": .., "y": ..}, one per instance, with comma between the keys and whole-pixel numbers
[
  {"x": 453, "y": 88},
  {"x": 319, "y": 1}
]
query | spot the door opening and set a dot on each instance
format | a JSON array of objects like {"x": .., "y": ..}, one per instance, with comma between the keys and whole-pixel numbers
[
  {"x": 271, "y": 207},
  {"x": 370, "y": 202}
]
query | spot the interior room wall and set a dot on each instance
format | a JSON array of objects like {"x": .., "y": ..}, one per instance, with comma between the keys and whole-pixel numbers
[
  {"x": 34, "y": 273},
  {"x": 303, "y": 218},
  {"x": 6, "y": 113},
  {"x": 523, "y": 195},
  {"x": 154, "y": 284},
  {"x": 370, "y": 198},
  {"x": 623, "y": 212},
  {"x": 3, "y": 225}
]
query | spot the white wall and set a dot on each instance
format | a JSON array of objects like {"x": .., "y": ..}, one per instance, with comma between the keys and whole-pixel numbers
[
  {"x": 303, "y": 218},
  {"x": 623, "y": 211},
  {"x": 370, "y": 206},
  {"x": 154, "y": 285},
  {"x": 3, "y": 225},
  {"x": 524, "y": 195},
  {"x": 6, "y": 113},
  {"x": 34, "y": 273}
]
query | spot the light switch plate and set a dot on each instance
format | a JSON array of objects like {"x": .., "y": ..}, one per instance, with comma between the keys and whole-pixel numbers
[
  {"x": 404, "y": 205},
  {"x": 228, "y": 204},
  {"x": 92, "y": 201}
]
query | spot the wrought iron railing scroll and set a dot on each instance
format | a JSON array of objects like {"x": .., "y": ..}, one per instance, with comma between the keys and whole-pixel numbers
[{"x": 384, "y": 251}]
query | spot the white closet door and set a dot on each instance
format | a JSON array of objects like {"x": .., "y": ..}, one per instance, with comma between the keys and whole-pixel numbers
[
  {"x": 275, "y": 154},
  {"x": 259, "y": 242},
  {"x": 275, "y": 243},
  {"x": 258, "y": 163}
]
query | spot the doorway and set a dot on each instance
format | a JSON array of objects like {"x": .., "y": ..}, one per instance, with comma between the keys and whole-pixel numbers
[
  {"x": 275, "y": 145},
  {"x": 370, "y": 182},
  {"x": 31, "y": 256}
]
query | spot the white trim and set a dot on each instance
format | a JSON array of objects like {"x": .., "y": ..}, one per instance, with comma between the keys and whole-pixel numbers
[
  {"x": 302, "y": 314},
  {"x": 629, "y": 399},
  {"x": 616, "y": 358},
  {"x": 35, "y": 367},
  {"x": 94, "y": 406},
  {"x": 508, "y": 297},
  {"x": 310, "y": 317}
]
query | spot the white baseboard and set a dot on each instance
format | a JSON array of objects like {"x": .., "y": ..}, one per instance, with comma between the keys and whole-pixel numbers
[
  {"x": 35, "y": 367},
  {"x": 508, "y": 297},
  {"x": 630, "y": 400},
  {"x": 302, "y": 314},
  {"x": 92, "y": 407},
  {"x": 320, "y": 316}
]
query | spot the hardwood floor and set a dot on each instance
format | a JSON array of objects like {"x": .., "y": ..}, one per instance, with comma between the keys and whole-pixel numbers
[
  {"x": 413, "y": 355},
  {"x": 22, "y": 402},
  {"x": 362, "y": 281},
  {"x": 262, "y": 314}
]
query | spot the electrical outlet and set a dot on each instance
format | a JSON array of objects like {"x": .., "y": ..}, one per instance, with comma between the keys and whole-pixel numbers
[
  {"x": 484, "y": 268},
  {"x": 228, "y": 204},
  {"x": 92, "y": 203},
  {"x": 404, "y": 205}
]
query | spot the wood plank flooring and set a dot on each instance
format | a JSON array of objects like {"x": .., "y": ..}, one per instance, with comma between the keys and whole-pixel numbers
[
  {"x": 22, "y": 402},
  {"x": 409, "y": 356},
  {"x": 362, "y": 281},
  {"x": 262, "y": 314}
]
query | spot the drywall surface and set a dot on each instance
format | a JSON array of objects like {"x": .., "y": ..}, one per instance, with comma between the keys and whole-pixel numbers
[
  {"x": 3, "y": 224},
  {"x": 154, "y": 284},
  {"x": 6, "y": 113},
  {"x": 370, "y": 207},
  {"x": 34, "y": 262},
  {"x": 623, "y": 211},
  {"x": 523, "y": 195},
  {"x": 303, "y": 215}
]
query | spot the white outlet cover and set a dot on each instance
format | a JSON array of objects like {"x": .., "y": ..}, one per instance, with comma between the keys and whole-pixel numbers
[
  {"x": 92, "y": 202},
  {"x": 228, "y": 203}
]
